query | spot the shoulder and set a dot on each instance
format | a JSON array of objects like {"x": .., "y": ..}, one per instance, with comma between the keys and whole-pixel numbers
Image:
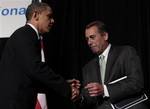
[
  {"x": 24, "y": 29},
  {"x": 122, "y": 47},
  {"x": 124, "y": 50},
  {"x": 24, "y": 32},
  {"x": 129, "y": 49}
]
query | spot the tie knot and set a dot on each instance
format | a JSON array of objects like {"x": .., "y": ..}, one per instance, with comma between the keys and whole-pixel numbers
[
  {"x": 41, "y": 41},
  {"x": 102, "y": 57}
]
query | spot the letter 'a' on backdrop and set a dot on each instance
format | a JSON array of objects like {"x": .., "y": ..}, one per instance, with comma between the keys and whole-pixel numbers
[{"x": 12, "y": 16}]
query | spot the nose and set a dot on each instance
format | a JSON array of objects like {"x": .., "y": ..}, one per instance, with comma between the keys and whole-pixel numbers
[
  {"x": 89, "y": 42},
  {"x": 52, "y": 21}
]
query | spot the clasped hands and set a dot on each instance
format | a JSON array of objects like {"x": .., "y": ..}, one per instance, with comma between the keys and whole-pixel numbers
[
  {"x": 93, "y": 88},
  {"x": 75, "y": 85}
]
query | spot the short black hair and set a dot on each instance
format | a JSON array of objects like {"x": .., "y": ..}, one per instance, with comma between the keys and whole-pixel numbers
[{"x": 35, "y": 7}]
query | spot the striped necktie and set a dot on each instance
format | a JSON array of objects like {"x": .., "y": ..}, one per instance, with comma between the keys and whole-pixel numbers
[
  {"x": 102, "y": 63},
  {"x": 42, "y": 49}
]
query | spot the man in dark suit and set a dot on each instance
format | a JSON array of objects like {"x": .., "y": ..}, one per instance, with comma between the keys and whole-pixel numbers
[
  {"x": 114, "y": 75},
  {"x": 22, "y": 73}
]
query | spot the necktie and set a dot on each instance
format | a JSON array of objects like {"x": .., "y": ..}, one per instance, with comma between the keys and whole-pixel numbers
[
  {"x": 102, "y": 67},
  {"x": 42, "y": 49},
  {"x": 41, "y": 97}
]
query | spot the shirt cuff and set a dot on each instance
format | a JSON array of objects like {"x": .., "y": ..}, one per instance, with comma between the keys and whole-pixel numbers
[{"x": 106, "y": 94}]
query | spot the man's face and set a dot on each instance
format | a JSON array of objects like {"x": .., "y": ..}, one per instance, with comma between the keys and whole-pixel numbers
[
  {"x": 96, "y": 41},
  {"x": 45, "y": 21}
]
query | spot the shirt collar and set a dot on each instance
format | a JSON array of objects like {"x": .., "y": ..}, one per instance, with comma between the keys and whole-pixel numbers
[
  {"x": 32, "y": 26},
  {"x": 106, "y": 51}
]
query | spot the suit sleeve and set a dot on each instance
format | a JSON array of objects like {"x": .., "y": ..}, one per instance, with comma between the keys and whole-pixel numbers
[
  {"x": 87, "y": 102},
  {"x": 29, "y": 61}
]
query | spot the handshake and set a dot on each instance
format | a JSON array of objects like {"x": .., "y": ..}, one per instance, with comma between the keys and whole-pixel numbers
[
  {"x": 75, "y": 86},
  {"x": 93, "y": 88}
]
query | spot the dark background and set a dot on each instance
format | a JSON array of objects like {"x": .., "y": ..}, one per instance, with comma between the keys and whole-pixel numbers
[{"x": 128, "y": 22}]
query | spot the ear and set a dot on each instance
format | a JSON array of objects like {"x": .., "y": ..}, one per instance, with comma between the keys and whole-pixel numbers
[
  {"x": 36, "y": 16},
  {"x": 106, "y": 36}
]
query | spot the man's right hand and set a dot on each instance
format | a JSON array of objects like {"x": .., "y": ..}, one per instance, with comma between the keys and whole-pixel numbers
[
  {"x": 75, "y": 85},
  {"x": 94, "y": 89}
]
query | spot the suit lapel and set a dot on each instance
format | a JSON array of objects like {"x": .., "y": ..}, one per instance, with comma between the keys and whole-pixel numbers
[{"x": 110, "y": 62}]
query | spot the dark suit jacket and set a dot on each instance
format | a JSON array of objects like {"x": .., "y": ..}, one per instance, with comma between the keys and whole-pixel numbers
[
  {"x": 122, "y": 61},
  {"x": 22, "y": 74}
]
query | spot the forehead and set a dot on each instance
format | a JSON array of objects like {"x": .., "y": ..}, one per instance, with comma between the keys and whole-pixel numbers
[
  {"x": 91, "y": 30},
  {"x": 47, "y": 12},
  {"x": 49, "y": 9}
]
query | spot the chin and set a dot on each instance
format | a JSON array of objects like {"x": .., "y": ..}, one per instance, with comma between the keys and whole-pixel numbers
[
  {"x": 46, "y": 31},
  {"x": 95, "y": 52}
]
